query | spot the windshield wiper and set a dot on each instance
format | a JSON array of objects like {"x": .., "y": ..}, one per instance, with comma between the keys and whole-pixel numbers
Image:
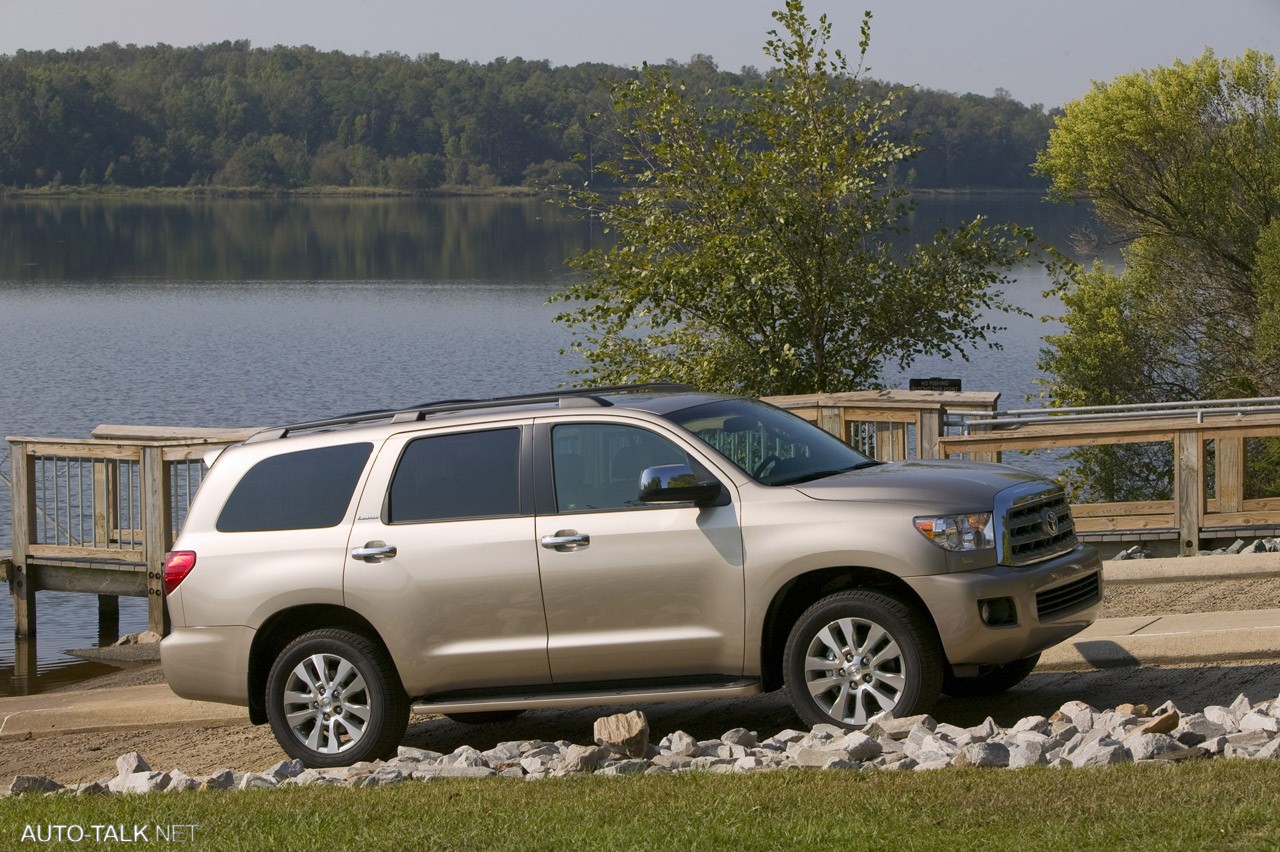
[{"x": 822, "y": 474}]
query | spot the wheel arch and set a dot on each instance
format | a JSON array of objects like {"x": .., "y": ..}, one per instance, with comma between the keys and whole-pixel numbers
[
  {"x": 799, "y": 593},
  {"x": 285, "y": 626}
]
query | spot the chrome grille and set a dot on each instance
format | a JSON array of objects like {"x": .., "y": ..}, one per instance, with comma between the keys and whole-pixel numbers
[
  {"x": 1075, "y": 595},
  {"x": 1035, "y": 524}
]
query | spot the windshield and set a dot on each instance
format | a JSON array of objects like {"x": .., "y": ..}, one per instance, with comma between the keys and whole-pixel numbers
[{"x": 772, "y": 446}]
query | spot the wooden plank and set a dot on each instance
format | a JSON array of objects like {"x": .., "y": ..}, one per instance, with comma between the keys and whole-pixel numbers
[
  {"x": 1229, "y": 474},
  {"x": 104, "y": 490},
  {"x": 157, "y": 533},
  {"x": 878, "y": 415},
  {"x": 1188, "y": 489},
  {"x": 830, "y": 421},
  {"x": 191, "y": 452},
  {"x": 57, "y": 578},
  {"x": 23, "y": 592},
  {"x": 928, "y": 431},
  {"x": 1241, "y": 519},
  {"x": 1137, "y": 507},
  {"x": 1125, "y": 523},
  {"x": 983, "y": 401},
  {"x": 82, "y": 449},
  {"x": 185, "y": 434},
  {"x": 884, "y": 442},
  {"x": 87, "y": 554}
]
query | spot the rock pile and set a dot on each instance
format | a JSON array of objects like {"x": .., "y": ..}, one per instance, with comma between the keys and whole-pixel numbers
[{"x": 1077, "y": 735}]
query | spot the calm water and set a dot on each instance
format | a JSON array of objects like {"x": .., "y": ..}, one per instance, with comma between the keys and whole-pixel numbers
[{"x": 232, "y": 313}]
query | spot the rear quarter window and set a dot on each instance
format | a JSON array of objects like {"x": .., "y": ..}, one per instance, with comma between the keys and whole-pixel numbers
[{"x": 308, "y": 489}]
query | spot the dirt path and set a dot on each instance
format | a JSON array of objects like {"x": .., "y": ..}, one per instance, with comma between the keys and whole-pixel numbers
[{"x": 199, "y": 750}]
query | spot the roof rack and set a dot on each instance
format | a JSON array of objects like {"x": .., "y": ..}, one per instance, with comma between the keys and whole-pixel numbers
[{"x": 566, "y": 398}]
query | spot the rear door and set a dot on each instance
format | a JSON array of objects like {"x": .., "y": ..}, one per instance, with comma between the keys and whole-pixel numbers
[
  {"x": 459, "y": 602},
  {"x": 632, "y": 590}
]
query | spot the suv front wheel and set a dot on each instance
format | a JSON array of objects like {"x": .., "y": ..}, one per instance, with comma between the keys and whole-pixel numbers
[
  {"x": 855, "y": 654},
  {"x": 333, "y": 699}
]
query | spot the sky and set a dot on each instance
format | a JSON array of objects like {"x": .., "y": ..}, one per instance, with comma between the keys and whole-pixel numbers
[{"x": 1039, "y": 51}]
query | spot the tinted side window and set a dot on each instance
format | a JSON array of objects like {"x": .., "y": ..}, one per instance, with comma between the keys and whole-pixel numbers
[
  {"x": 598, "y": 465},
  {"x": 466, "y": 475},
  {"x": 309, "y": 489}
]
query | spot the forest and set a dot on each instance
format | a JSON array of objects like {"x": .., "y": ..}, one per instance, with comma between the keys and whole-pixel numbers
[{"x": 233, "y": 115}]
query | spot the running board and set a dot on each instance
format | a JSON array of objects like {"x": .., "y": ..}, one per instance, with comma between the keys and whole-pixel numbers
[{"x": 735, "y": 689}]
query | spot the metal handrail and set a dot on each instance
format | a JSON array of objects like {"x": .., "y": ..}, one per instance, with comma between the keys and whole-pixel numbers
[{"x": 1098, "y": 413}]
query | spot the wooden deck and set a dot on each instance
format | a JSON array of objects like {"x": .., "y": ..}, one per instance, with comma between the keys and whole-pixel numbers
[{"x": 97, "y": 516}]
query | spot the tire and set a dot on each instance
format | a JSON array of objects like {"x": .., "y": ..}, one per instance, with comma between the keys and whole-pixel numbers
[
  {"x": 993, "y": 680},
  {"x": 334, "y": 698},
  {"x": 485, "y": 717},
  {"x": 891, "y": 662}
]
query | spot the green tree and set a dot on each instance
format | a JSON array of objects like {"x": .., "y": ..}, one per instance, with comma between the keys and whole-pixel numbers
[
  {"x": 759, "y": 243},
  {"x": 1183, "y": 162}
]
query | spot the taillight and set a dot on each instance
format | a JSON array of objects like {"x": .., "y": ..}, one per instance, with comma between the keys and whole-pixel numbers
[{"x": 177, "y": 565}]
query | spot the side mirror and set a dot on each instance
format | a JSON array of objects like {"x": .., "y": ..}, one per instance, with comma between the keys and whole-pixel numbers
[{"x": 676, "y": 483}]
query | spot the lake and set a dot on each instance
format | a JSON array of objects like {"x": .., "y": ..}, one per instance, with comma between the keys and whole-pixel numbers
[{"x": 257, "y": 312}]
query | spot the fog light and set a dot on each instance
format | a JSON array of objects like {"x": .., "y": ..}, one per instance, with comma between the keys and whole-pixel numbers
[{"x": 998, "y": 612}]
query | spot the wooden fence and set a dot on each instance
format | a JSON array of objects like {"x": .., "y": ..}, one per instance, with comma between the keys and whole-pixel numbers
[
  {"x": 968, "y": 425},
  {"x": 98, "y": 515}
]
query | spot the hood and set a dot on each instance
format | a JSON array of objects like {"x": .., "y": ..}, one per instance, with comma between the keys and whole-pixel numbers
[{"x": 960, "y": 485}]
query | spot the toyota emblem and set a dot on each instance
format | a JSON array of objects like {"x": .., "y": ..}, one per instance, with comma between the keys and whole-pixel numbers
[{"x": 1050, "y": 520}]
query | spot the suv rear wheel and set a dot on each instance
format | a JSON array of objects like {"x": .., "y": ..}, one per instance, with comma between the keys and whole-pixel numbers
[
  {"x": 855, "y": 654},
  {"x": 333, "y": 699}
]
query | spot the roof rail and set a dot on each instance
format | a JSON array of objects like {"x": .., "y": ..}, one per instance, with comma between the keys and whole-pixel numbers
[{"x": 566, "y": 397}]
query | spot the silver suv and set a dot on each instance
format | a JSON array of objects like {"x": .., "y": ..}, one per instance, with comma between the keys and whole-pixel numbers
[{"x": 631, "y": 544}]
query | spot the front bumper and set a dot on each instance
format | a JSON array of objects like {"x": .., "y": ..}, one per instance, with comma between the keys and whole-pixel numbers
[
  {"x": 208, "y": 663},
  {"x": 953, "y": 599}
]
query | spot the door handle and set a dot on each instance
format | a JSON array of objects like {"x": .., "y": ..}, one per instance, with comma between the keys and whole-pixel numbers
[
  {"x": 374, "y": 551},
  {"x": 566, "y": 541}
]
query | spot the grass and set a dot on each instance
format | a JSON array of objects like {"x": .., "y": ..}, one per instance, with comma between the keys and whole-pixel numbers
[{"x": 1222, "y": 804}]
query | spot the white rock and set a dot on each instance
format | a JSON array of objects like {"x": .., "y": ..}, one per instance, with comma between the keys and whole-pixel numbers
[
  {"x": 625, "y": 733},
  {"x": 24, "y": 785},
  {"x": 983, "y": 754},
  {"x": 740, "y": 737},
  {"x": 583, "y": 758},
  {"x": 128, "y": 764}
]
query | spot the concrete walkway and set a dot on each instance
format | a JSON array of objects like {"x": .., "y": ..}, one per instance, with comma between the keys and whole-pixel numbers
[{"x": 1203, "y": 638}]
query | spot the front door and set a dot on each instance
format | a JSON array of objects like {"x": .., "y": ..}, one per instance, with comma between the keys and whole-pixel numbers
[{"x": 633, "y": 590}]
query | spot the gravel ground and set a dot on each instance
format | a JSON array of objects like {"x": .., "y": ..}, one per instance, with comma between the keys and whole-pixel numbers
[{"x": 202, "y": 749}]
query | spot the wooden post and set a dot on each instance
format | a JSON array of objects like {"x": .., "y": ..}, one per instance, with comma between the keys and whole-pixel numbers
[
  {"x": 104, "y": 502},
  {"x": 928, "y": 431},
  {"x": 1188, "y": 489},
  {"x": 108, "y": 619},
  {"x": 22, "y": 587},
  {"x": 24, "y": 665},
  {"x": 1230, "y": 474},
  {"x": 830, "y": 420},
  {"x": 157, "y": 533}
]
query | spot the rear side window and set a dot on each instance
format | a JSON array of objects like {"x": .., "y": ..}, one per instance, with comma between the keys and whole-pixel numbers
[
  {"x": 464, "y": 475},
  {"x": 309, "y": 489}
]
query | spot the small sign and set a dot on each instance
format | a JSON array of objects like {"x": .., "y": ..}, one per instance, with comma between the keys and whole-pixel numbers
[{"x": 934, "y": 384}]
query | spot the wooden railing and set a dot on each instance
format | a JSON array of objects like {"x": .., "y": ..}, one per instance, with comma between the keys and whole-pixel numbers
[
  {"x": 890, "y": 425},
  {"x": 98, "y": 515},
  {"x": 981, "y": 433}
]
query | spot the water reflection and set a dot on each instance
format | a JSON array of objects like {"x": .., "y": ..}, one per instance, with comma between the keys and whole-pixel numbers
[{"x": 267, "y": 239}]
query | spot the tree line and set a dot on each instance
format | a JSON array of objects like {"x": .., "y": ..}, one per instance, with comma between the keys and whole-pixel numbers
[{"x": 230, "y": 114}]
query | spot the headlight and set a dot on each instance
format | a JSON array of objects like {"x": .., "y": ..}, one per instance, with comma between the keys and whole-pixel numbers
[{"x": 959, "y": 532}]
